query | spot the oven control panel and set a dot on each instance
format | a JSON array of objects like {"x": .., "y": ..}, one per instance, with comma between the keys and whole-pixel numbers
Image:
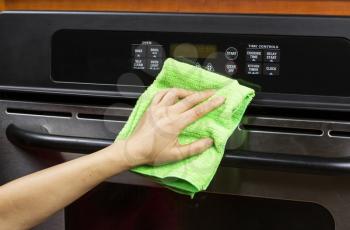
[
  {"x": 262, "y": 59},
  {"x": 253, "y": 59},
  {"x": 270, "y": 63}
]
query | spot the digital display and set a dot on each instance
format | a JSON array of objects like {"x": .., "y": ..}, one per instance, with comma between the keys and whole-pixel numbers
[{"x": 188, "y": 50}]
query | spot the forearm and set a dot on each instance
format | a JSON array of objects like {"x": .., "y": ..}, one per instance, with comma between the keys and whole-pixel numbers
[{"x": 27, "y": 201}]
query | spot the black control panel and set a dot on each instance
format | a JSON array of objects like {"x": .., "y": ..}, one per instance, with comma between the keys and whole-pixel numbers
[
  {"x": 261, "y": 59},
  {"x": 147, "y": 56},
  {"x": 272, "y": 64}
]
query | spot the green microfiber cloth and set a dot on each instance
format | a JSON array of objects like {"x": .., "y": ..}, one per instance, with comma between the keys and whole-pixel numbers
[{"x": 193, "y": 174}]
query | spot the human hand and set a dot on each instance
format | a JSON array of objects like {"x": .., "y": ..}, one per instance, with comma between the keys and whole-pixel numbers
[{"x": 155, "y": 139}]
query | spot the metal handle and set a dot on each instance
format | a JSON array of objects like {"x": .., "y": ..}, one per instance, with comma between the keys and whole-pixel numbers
[
  {"x": 26, "y": 138},
  {"x": 232, "y": 158}
]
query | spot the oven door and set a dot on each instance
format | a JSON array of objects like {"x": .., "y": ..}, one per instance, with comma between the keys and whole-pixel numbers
[
  {"x": 120, "y": 206},
  {"x": 292, "y": 189}
]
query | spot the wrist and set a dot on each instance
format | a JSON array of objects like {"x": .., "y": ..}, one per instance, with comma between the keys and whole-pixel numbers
[
  {"x": 127, "y": 154},
  {"x": 114, "y": 156}
]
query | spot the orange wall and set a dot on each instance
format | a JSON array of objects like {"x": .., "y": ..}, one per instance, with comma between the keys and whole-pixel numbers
[
  {"x": 2, "y": 4},
  {"x": 315, "y": 7}
]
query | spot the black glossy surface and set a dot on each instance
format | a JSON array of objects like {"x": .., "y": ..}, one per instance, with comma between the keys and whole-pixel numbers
[
  {"x": 115, "y": 206},
  {"x": 25, "y": 45},
  {"x": 307, "y": 65}
]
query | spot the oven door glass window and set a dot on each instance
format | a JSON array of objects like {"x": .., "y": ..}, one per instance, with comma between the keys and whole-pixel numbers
[{"x": 115, "y": 206}]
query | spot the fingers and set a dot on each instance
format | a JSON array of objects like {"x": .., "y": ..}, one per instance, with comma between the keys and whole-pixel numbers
[
  {"x": 158, "y": 97},
  {"x": 194, "y": 148},
  {"x": 192, "y": 100},
  {"x": 197, "y": 112},
  {"x": 173, "y": 95}
]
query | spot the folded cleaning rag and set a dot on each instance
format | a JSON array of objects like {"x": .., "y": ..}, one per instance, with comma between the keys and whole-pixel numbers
[{"x": 193, "y": 174}]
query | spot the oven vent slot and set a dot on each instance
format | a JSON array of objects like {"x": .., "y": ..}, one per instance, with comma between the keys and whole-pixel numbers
[
  {"x": 334, "y": 133},
  {"x": 298, "y": 113},
  {"x": 18, "y": 111},
  {"x": 102, "y": 117},
  {"x": 284, "y": 130}
]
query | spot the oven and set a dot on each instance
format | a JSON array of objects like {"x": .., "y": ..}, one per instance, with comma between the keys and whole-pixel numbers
[{"x": 69, "y": 81}]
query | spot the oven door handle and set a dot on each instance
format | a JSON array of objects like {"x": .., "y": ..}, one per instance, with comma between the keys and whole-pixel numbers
[
  {"x": 232, "y": 158},
  {"x": 29, "y": 139}
]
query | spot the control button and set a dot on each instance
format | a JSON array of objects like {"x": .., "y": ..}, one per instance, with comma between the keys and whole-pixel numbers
[
  {"x": 155, "y": 64},
  {"x": 253, "y": 68},
  {"x": 231, "y": 68},
  {"x": 139, "y": 64},
  {"x": 139, "y": 51},
  {"x": 271, "y": 55},
  {"x": 271, "y": 69},
  {"x": 155, "y": 51},
  {"x": 209, "y": 67},
  {"x": 231, "y": 53},
  {"x": 254, "y": 55}
]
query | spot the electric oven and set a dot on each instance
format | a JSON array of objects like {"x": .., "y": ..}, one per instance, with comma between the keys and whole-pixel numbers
[{"x": 69, "y": 81}]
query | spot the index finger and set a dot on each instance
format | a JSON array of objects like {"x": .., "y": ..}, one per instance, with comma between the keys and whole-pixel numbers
[
  {"x": 199, "y": 111},
  {"x": 192, "y": 100},
  {"x": 173, "y": 95}
]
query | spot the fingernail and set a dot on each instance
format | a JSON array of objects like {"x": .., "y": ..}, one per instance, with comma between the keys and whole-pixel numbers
[{"x": 209, "y": 141}]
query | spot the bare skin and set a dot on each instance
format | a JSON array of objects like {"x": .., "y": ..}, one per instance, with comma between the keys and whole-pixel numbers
[{"x": 27, "y": 201}]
